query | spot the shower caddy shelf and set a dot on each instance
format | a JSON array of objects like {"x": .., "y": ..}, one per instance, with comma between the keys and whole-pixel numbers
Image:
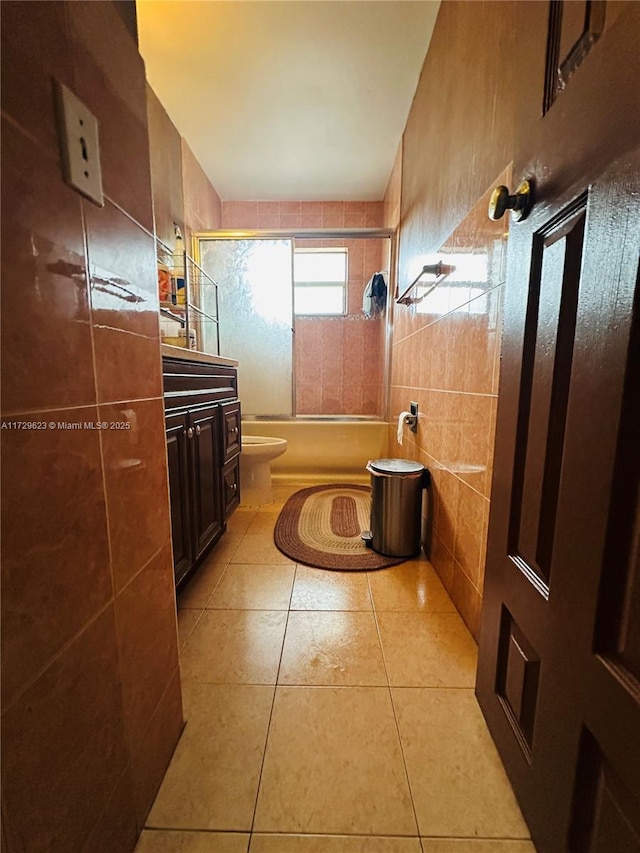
[{"x": 199, "y": 289}]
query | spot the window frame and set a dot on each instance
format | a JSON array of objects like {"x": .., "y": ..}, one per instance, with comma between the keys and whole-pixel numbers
[{"x": 343, "y": 285}]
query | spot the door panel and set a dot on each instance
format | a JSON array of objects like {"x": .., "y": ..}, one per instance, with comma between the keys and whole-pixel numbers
[
  {"x": 208, "y": 518},
  {"x": 231, "y": 431},
  {"x": 179, "y": 492},
  {"x": 548, "y": 349},
  {"x": 231, "y": 486},
  {"x": 558, "y": 665}
]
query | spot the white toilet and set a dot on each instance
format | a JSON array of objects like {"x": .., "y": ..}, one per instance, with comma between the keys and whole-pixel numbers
[{"x": 258, "y": 451}]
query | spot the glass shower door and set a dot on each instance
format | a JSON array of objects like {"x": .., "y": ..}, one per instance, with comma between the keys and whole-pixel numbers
[{"x": 255, "y": 295}]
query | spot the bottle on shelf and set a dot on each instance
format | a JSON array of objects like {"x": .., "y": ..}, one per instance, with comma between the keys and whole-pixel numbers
[{"x": 164, "y": 284}]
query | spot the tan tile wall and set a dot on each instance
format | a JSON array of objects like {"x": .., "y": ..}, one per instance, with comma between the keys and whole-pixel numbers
[
  {"x": 165, "y": 152},
  {"x": 448, "y": 360},
  {"x": 202, "y": 205},
  {"x": 182, "y": 193},
  {"x": 91, "y": 703},
  {"x": 338, "y": 361},
  {"x": 393, "y": 194}
]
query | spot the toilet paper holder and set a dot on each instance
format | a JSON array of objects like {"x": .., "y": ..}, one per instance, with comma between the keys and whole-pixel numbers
[{"x": 411, "y": 421}]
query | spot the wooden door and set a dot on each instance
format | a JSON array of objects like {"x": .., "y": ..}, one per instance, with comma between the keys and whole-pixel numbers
[
  {"x": 207, "y": 508},
  {"x": 179, "y": 493},
  {"x": 559, "y": 664}
]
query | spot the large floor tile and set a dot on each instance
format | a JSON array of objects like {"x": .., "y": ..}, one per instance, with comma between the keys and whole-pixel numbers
[
  {"x": 457, "y": 781},
  {"x": 240, "y": 520},
  {"x": 213, "y": 777},
  {"x": 254, "y": 587},
  {"x": 234, "y": 647},
  {"x": 263, "y": 522},
  {"x": 225, "y": 548},
  {"x": 476, "y": 845},
  {"x": 334, "y": 765},
  {"x": 187, "y": 621},
  {"x": 332, "y": 648},
  {"x": 198, "y": 591},
  {"x": 319, "y": 589},
  {"x": 172, "y": 841},
  {"x": 410, "y": 586},
  {"x": 427, "y": 650},
  {"x": 332, "y": 844},
  {"x": 259, "y": 548}
]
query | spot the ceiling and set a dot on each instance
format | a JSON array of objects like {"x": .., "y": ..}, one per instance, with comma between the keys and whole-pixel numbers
[{"x": 298, "y": 100}]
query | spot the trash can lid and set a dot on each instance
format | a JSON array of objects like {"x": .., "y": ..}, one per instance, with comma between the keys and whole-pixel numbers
[{"x": 396, "y": 466}]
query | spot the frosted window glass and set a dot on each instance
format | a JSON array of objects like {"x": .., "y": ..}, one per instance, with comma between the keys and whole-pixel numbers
[{"x": 256, "y": 318}]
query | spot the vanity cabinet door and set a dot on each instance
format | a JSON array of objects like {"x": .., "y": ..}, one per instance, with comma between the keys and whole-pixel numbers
[
  {"x": 231, "y": 431},
  {"x": 179, "y": 493},
  {"x": 204, "y": 429},
  {"x": 231, "y": 486}
]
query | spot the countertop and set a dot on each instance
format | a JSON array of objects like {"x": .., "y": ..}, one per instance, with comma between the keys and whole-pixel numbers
[{"x": 194, "y": 355}]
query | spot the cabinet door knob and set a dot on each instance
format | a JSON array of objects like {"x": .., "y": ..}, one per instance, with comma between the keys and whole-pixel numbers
[
  {"x": 234, "y": 430},
  {"x": 198, "y": 429},
  {"x": 190, "y": 432}
]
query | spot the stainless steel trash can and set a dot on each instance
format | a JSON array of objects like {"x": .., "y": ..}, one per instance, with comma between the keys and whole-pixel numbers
[{"x": 396, "y": 506}]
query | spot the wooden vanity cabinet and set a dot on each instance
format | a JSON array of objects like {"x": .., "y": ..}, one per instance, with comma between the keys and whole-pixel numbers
[
  {"x": 203, "y": 453},
  {"x": 231, "y": 446}
]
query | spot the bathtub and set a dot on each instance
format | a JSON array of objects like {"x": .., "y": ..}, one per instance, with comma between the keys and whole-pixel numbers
[{"x": 324, "y": 451}]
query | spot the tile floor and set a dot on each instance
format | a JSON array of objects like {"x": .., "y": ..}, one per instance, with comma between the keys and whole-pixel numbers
[{"x": 327, "y": 713}]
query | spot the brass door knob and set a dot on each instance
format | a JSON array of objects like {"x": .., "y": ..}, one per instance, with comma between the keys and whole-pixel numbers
[{"x": 519, "y": 203}]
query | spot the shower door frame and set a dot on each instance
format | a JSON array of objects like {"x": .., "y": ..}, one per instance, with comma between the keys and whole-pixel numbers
[{"x": 320, "y": 234}]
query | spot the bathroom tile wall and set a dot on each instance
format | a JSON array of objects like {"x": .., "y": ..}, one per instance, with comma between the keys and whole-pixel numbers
[
  {"x": 91, "y": 702},
  {"x": 447, "y": 356},
  {"x": 182, "y": 193},
  {"x": 338, "y": 361},
  {"x": 301, "y": 214},
  {"x": 393, "y": 194},
  {"x": 165, "y": 152},
  {"x": 202, "y": 205}
]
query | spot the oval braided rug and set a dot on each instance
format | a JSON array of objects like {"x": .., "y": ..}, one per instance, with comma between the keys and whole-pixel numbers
[{"x": 321, "y": 527}]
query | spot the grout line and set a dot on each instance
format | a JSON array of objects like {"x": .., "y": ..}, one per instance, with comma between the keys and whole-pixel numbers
[
  {"x": 393, "y": 707},
  {"x": 273, "y": 702},
  {"x": 441, "y": 317},
  {"x": 442, "y": 391}
]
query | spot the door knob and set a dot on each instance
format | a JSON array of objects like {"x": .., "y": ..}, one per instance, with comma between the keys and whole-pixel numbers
[
  {"x": 190, "y": 432},
  {"x": 519, "y": 203},
  {"x": 198, "y": 429}
]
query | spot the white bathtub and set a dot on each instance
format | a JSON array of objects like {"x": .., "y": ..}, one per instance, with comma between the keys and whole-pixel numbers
[{"x": 324, "y": 451}]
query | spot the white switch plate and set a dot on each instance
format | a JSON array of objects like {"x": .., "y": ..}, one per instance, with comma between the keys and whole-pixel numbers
[{"x": 78, "y": 133}]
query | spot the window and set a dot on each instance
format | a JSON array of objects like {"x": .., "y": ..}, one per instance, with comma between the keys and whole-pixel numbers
[{"x": 319, "y": 281}]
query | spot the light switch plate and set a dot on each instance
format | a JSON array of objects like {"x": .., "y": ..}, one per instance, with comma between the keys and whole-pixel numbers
[{"x": 78, "y": 134}]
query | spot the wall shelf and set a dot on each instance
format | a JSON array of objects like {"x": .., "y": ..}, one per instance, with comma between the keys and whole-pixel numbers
[{"x": 189, "y": 311}]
